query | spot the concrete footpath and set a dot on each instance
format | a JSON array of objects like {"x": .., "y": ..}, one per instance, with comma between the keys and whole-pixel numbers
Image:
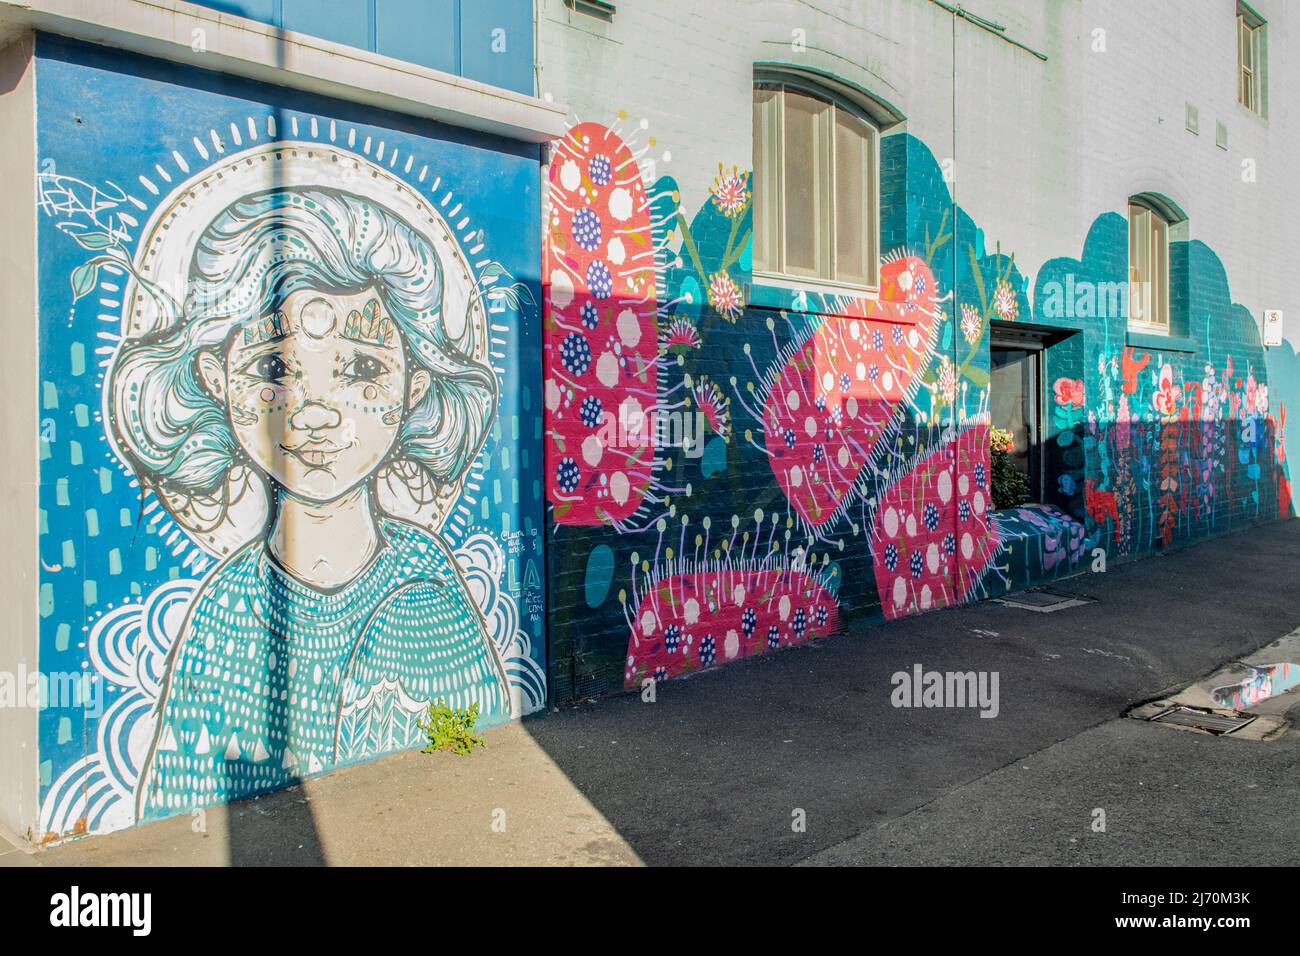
[{"x": 725, "y": 767}]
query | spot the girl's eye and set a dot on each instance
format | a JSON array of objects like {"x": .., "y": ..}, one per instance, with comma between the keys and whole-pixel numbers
[
  {"x": 268, "y": 368},
  {"x": 364, "y": 368}
]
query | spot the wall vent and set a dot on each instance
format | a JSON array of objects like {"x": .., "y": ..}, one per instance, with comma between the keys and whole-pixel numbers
[{"x": 600, "y": 9}]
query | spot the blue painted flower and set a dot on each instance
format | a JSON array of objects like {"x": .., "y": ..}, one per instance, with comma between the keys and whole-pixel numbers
[
  {"x": 586, "y": 229},
  {"x": 590, "y": 411},
  {"x": 567, "y": 475},
  {"x": 748, "y": 620},
  {"x": 981, "y": 476},
  {"x": 877, "y": 339},
  {"x": 600, "y": 170},
  {"x": 916, "y": 564},
  {"x": 661, "y": 674},
  {"x": 821, "y": 615},
  {"x": 599, "y": 281},
  {"x": 590, "y": 317},
  {"x": 919, "y": 285},
  {"x": 789, "y": 438},
  {"x": 575, "y": 353},
  {"x": 963, "y": 510},
  {"x": 820, "y": 402},
  {"x": 773, "y": 638},
  {"x": 930, "y": 516},
  {"x": 819, "y": 452},
  {"x": 949, "y": 543},
  {"x": 708, "y": 651},
  {"x": 844, "y": 381},
  {"x": 891, "y": 556},
  {"x": 873, "y": 372},
  {"x": 800, "y": 623},
  {"x": 898, "y": 335}
]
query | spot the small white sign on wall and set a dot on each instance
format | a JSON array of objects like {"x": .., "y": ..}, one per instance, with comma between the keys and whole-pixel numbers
[{"x": 1272, "y": 327}]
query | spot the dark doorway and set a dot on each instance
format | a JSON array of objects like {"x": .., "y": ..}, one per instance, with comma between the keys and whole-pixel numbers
[{"x": 1015, "y": 392}]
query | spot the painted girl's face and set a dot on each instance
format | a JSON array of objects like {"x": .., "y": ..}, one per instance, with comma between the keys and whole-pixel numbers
[{"x": 316, "y": 391}]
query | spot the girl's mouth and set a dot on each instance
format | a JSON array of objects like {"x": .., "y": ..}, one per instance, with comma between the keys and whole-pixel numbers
[{"x": 315, "y": 454}]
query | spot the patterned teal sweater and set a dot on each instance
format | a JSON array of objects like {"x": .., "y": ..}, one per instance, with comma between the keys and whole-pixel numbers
[{"x": 272, "y": 680}]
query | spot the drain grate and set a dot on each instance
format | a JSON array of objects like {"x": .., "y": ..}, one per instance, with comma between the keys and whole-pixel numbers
[
  {"x": 1206, "y": 721},
  {"x": 1044, "y": 602}
]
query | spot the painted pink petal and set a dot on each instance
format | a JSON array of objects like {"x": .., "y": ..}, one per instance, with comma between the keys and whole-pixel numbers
[
  {"x": 601, "y": 331},
  {"x": 694, "y": 621},
  {"x": 835, "y": 395},
  {"x": 931, "y": 535}
]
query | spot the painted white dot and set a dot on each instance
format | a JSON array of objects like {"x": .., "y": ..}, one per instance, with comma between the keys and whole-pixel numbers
[
  {"x": 945, "y": 486},
  {"x": 629, "y": 328},
  {"x": 900, "y": 592},
  {"x": 619, "y": 487},
  {"x": 561, "y": 293},
  {"x": 570, "y": 175},
  {"x": 620, "y": 204},
  {"x": 967, "y": 545},
  {"x": 784, "y": 607},
  {"x": 792, "y": 400},
  {"x": 891, "y": 522}
]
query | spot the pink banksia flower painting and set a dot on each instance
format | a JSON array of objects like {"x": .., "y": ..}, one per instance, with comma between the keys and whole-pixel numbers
[
  {"x": 724, "y": 296},
  {"x": 1004, "y": 302},
  {"x": 972, "y": 325},
  {"x": 730, "y": 191},
  {"x": 679, "y": 336},
  {"x": 713, "y": 405}
]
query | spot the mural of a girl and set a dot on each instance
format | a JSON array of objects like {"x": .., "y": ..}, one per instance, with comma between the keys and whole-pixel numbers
[{"x": 312, "y": 371}]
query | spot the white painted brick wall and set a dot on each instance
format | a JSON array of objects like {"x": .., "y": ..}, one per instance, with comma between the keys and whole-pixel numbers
[{"x": 1042, "y": 148}]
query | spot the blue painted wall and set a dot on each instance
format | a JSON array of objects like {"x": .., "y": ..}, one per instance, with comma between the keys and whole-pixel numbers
[
  {"x": 119, "y": 138},
  {"x": 486, "y": 40}
]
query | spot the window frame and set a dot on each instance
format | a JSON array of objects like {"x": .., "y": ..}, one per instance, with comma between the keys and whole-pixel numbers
[
  {"x": 1154, "y": 215},
  {"x": 1250, "y": 79},
  {"x": 777, "y": 273}
]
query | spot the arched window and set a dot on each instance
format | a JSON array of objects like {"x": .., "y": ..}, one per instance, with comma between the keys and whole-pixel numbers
[
  {"x": 816, "y": 184},
  {"x": 1150, "y": 217}
]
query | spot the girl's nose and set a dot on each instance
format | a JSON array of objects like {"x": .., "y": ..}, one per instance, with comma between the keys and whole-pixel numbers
[{"x": 313, "y": 416}]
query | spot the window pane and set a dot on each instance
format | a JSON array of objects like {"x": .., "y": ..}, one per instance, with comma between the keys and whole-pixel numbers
[
  {"x": 767, "y": 180},
  {"x": 854, "y": 186},
  {"x": 1139, "y": 271},
  {"x": 1159, "y": 270},
  {"x": 805, "y": 167}
]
